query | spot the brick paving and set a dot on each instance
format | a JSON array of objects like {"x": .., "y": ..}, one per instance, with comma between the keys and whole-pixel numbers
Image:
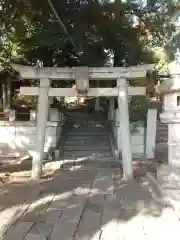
[{"x": 87, "y": 203}]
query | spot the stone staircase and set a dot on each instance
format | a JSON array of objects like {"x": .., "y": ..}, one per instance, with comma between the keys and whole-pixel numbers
[{"x": 86, "y": 138}]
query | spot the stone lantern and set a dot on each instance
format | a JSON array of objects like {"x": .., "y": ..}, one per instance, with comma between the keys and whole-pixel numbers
[
  {"x": 168, "y": 175},
  {"x": 170, "y": 88}
]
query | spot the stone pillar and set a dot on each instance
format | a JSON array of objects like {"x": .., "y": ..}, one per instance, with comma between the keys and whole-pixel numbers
[
  {"x": 54, "y": 115},
  {"x": 9, "y": 86},
  {"x": 151, "y": 133},
  {"x": 168, "y": 175},
  {"x": 97, "y": 102},
  {"x": 32, "y": 115},
  {"x": 50, "y": 100},
  {"x": 12, "y": 115},
  {"x": 114, "y": 123},
  {"x": 111, "y": 109},
  {"x": 43, "y": 103},
  {"x": 171, "y": 116},
  {"x": 118, "y": 130},
  {"x": 4, "y": 97},
  {"x": 125, "y": 137}
]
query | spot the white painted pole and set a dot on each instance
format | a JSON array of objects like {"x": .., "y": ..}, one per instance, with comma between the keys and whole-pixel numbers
[
  {"x": 125, "y": 136},
  {"x": 43, "y": 103},
  {"x": 151, "y": 133}
]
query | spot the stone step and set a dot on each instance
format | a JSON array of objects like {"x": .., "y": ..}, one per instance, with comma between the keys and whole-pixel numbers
[
  {"x": 162, "y": 135},
  {"x": 87, "y": 148},
  {"x": 86, "y": 132},
  {"x": 160, "y": 124},
  {"x": 80, "y": 139},
  {"x": 74, "y": 161},
  {"x": 89, "y": 123},
  {"x": 85, "y": 121},
  {"x": 78, "y": 133},
  {"x": 162, "y": 131},
  {"x": 99, "y": 162},
  {"x": 95, "y": 139},
  {"x": 85, "y": 142},
  {"x": 87, "y": 154},
  {"x": 89, "y": 129},
  {"x": 162, "y": 127},
  {"x": 85, "y": 118},
  {"x": 161, "y": 146},
  {"x": 161, "y": 140}
]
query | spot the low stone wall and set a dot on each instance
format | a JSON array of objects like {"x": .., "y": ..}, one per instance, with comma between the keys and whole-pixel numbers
[{"x": 18, "y": 138}]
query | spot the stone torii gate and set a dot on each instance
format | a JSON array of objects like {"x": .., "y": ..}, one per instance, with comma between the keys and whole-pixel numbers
[{"x": 82, "y": 75}]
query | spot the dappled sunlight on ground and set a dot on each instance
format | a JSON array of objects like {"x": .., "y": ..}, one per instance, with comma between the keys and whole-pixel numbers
[{"x": 91, "y": 203}]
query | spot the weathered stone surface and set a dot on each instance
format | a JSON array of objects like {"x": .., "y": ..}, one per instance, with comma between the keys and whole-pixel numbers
[
  {"x": 9, "y": 216},
  {"x": 51, "y": 215},
  {"x": 109, "y": 224},
  {"x": 89, "y": 224},
  {"x": 40, "y": 230},
  {"x": 18, "y": 231},
  {"x": 104, "y": 182},
  {"x": 65, "y": 227},
  {"x": 36, "y": 210},
  {"x": 34, "y": 237},
  {"x": 91, "y": 203}
]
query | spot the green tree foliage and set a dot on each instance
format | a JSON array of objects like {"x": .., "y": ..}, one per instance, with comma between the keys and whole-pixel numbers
[
  {"x": 167, "y": 28},
  {"x": 104, "y": 32}
]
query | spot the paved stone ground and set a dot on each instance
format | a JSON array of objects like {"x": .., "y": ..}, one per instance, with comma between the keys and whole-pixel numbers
[{"x": 89, "y": 202}]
